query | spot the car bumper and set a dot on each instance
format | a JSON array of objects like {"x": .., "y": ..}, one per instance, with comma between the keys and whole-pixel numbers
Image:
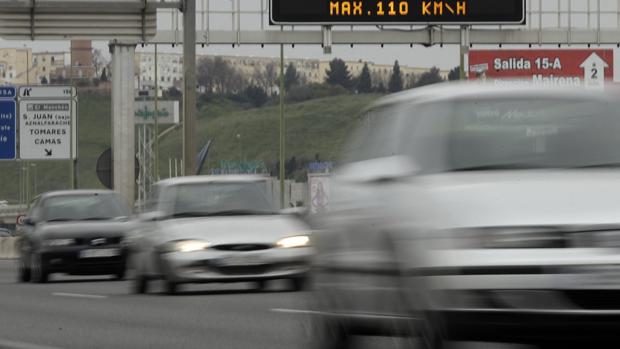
[
  {"x": 529, "y": 326},
  {"x": 219, "y": 266},
  {"x": 70, "y": 261},
  {"x": 537, "y": 296}
]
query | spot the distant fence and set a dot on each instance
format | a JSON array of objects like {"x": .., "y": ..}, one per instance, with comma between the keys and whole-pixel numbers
[{"x": 8, "y": 248}]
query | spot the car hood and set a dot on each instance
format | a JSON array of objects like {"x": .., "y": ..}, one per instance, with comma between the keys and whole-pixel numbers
[
  {"x": 82, "y": 229},
  {"x": 517, "y": 198},
  {"x": 233, "y": 229}
]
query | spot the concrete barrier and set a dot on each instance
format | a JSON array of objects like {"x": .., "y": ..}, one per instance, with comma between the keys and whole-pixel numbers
[{"x": 8, "y": 248}]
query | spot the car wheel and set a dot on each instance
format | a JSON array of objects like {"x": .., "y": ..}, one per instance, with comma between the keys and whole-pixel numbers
[
  {"x": 171, "y": 287},
  {"x": 140, "y": 283},
  {"x": 261, "y": 285},
  {"x": 329, "y": 334},
  {"x": 120, "y": 275},
  {"x": 38, "y": 270},
  {"x": 428, "y": 335},
  {"x": 298, "y": 283},
  {"x": 23, "y": 272}
]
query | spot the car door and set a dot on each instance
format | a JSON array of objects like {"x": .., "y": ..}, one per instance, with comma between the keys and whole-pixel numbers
[{"x": 356, "y": 263}]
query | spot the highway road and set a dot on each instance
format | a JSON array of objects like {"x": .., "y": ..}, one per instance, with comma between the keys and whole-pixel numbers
[
  {"x": 98, "y": 312},
  {"x": 80, "y": 313}
]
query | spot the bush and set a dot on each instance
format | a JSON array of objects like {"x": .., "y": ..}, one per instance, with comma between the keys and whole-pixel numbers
[{"x": 312, "y": 91}]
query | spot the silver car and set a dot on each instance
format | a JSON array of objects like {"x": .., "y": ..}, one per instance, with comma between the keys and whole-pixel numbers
[
  {"x": 475, "y": 212},
  {"x": 206, "y": 229}
]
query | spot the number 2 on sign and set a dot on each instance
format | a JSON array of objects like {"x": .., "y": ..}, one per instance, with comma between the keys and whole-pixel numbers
[{"x": 594, "y": 72}]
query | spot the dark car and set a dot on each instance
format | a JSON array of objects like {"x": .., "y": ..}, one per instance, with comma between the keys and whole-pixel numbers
[
  {"x": 5, "y": 233},
  {"x": 77, "y": 232}
]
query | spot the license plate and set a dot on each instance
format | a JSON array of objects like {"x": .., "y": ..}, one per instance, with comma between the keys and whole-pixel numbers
[
  {"x": 100, "y": 253},
  {"x": 241, "y": 261}
]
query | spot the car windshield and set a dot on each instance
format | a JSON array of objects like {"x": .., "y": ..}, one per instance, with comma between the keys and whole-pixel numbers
[
  {"x": 533, "y": 133},
  {"x": 512, "y": 133},
  {"x": 213, "y": 198},
  {"x": 84, "y": 207}
]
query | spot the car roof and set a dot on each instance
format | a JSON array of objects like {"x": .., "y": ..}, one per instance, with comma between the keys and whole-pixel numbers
[
  {"x": 56, "y": 193},
  {"x": 213, "y": 179},
  {"x": 468, "y": 89}
]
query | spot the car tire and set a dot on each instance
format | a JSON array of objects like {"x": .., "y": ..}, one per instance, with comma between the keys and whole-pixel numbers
[
  {"x": 260, "y": 285},
  {"x": 171, "y": 287},
  {"x": 329, "y": 334},
  {"x": 298, "y": 284},
  {"x": 120, "y": 275},
  {"x": 428, "y": 336},
  {"x": 38, "y": 270},
  {"x": 140, "y": 284},
  {"x": 23, "y": 272}
]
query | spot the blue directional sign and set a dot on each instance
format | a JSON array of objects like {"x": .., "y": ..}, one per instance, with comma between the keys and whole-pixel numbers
[
  {"x": 8, "y": 123},
  {"x": 7, "y": 92},
  {"x": 7, "y": 128}
]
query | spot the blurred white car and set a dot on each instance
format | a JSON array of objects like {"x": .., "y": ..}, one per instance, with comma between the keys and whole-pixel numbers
[
  {"x": 218, "y": 229},
  {"x": 475, "y": 212}
]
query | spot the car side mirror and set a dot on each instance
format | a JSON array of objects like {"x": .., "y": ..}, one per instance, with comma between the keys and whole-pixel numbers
[
  {"x": 379, "y": 169},
  {"x": 25, "y": 220},
  {"x": 152, "y": 216}
]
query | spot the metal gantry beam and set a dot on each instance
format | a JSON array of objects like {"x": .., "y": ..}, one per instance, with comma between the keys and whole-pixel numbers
[{"x": 427, "y": 37}]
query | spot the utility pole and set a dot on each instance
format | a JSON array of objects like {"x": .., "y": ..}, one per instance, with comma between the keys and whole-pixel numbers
[
  {"x": 156, "y": 120},
  {"x": 464, "y": 51},
  {"x": 189, "y": 82},
  {"x": 282, "y": 125}
]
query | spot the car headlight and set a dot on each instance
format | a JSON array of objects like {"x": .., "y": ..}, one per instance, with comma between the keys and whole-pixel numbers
[
  {"x": 59, "y": 242},
  {"x": 186, "y": 246},
  {"x": 294, "y": 241}
]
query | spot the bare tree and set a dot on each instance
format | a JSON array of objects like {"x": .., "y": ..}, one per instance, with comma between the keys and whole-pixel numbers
[
  {"x": 206, "y": 73},
  {"x": 99, "y": 60},
  {"x": 271, "y": 76}
]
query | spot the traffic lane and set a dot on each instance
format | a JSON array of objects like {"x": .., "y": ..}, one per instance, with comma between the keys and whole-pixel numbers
[
  {"x": 60, "y": 314},
  {"x": 95, "y": 312}
]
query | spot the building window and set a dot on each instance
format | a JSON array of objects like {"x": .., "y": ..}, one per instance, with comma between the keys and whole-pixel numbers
[
  {"x": 52, "y": 60},
  {"x": 43, "y": 59},
  {"x": 43, "y": 69}
]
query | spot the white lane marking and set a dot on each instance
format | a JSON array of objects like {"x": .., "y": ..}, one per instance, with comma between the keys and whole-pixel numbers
[
  {"x": 21, "y": 345},
  {"x": 78, "y": 295},
  {"x": 293, "y": 311}
]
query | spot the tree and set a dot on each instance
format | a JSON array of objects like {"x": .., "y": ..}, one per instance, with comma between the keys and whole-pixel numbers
[
  {"x": 396, "y": 79},
  {"x": 291, "y": 77},
  {"x": 104, "y": 75},
  {"x": 271, "y": 76},
  {"x": 338, "y": 73},
  {"x": 430, "y": 77},
  {"x": 98, "y": 60},
  {"x": 380, "y": 88},
  {"x": 204, "y": 73},
  {"x": 256, "y": 95},
  {"x": 364, "y": 82},
  {"x": 44, "y": 81},
  {"x": 454, "y": 74}
]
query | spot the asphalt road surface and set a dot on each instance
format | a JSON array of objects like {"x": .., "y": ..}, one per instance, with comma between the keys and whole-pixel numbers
[
  {"x": 71, "y": 312},
  {"x": 98, "y": 312}
]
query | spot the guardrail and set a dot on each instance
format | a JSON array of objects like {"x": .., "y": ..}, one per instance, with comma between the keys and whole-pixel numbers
[{"x": 8, "y": 247}]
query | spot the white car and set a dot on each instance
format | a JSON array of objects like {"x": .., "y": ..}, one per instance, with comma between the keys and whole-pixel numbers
[
  {"x": 475, "y": 212},
  {"x": 221, "y": 229}
]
